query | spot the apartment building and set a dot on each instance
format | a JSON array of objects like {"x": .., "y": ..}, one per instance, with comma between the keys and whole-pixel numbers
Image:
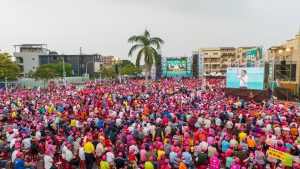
[
  {"x": 286, "y": 58},
  {"x": 217, "y": 59},
  {"x": 27, "y": 56}
]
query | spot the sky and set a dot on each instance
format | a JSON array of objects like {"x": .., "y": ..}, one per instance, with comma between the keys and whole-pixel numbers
[{"x": 104, "y": 26}]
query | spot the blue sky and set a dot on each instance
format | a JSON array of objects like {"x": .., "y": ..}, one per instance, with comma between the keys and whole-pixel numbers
[{"x": 103, "y": 26}]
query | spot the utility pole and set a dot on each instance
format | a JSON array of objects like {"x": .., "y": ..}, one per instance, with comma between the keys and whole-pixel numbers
[
  {"x": 78, "y": 57},
  {"x": 6, "y": 87}
]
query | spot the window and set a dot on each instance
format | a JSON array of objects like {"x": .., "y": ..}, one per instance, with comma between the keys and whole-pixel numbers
[
  {"x": 33, "y": 58},
  {"x": 205, "y": 53},
  {"x": 215, "y": 53}
]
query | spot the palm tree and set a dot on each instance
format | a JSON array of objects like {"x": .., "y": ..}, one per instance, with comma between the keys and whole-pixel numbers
[{"x": 148, "y": 47}]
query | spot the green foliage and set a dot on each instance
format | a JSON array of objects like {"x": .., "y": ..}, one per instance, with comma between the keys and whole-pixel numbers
[
  {"x": 125, "y": 63},
  {"x": 50, "y": 71},
  {"x": 8, "y": 68},
  {"x": 130, "y": 70},
  {"x": 147, "y": 47},
  {"x": 45, "y": 72},
  {"x": 55, "y": 70},
  {"x": 108, "y": 72},
  {"x": 126, "y": 68},
  {"x": 68, "y": 68}
]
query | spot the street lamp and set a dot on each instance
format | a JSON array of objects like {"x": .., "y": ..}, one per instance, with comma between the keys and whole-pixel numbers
[
  {"x": 64, "y": 72},
  {"x": 116, "y": 62},
  {"x": 86, "y": 74}
]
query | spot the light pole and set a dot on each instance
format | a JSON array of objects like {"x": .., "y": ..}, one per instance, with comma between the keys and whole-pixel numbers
[
  {"x": 64, "y": 72},
  {"x": 116, "y": 63},
  {"x": 86, "y": 74},
  {"x": 6, "y": 87}
]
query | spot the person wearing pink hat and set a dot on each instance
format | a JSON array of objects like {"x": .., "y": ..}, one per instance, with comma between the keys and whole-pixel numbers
[
  {"x": 149, "y": 163},
  {"x": 235, "y": 164},
  {"x": 104, "y": 164},
  {"x": 110, "y": 156},
  {"x": 15, "y": 152},
  {"x": 215, "y": 162},
  {"x": 48, "y": 160},
  {"x": 225, "y": 144},
  {"x": 259, "y": 157},
  {"x": 20, "y": 163},
  {"x": 89, "y": 151}
]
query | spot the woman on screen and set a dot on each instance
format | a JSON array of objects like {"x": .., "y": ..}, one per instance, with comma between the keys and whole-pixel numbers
[
  {"x": 244, "y": 79},
  {"x": 258, "y": 57}
]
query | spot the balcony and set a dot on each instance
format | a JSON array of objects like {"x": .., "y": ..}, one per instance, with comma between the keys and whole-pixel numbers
[
  {"x": 211, "y": 56},
  {"x": 19, "y": 60}
]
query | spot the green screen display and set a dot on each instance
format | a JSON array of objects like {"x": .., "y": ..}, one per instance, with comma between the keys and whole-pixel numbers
[
  {"x": 176, "y": 65},
  {"x": 253, "y": 57}
]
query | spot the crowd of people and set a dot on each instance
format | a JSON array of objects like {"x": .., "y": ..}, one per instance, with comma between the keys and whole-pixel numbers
[{"x": 171, "y": 124}]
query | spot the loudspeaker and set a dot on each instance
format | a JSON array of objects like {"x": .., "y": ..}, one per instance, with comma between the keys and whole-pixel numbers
[
  {"x": 267, "y": 71},
  {"x": 293, "y": 73},
  {"x": 159, "y": 67},
  {"x": 195, "y": 65},
  {"x": 283, "y": 67}
]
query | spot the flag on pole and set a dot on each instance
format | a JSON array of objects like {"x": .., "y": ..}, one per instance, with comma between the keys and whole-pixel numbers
[{"x": 229, "y": 62}]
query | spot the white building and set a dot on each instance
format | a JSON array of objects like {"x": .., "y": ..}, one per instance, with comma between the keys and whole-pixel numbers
[{"x": 27, "y": 56}]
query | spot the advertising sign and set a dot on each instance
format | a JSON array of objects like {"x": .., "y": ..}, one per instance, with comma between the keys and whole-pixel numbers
[
  {"x": 245, "y": 77},
  {"x": 253, "y": 57}
]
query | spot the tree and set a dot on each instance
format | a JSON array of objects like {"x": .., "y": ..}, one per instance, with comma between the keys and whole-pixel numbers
[
  {"x": 107, "y": 72},
  {"x": 45, "y": 72},
  {"x": 125, "y": 63},
  {"x": 68, "y": 68},
  {"x": 130, "y": 70},
  {"x": 148, "y": 47},
  {"x": 8, "y": 69}
]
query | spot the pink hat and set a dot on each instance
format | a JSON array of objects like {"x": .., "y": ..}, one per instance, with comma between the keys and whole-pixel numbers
[
  {"x": 236, "y": 160},
  {"x": 104, "y": 157},
  {"x": 151, "y": 158},
  {"x": 19, "y": 154},
  {"x": 17, "y": 146},
  {"x": 69, "y": 146}
]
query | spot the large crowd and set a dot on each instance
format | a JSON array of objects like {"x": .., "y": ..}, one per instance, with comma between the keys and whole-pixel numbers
[{"x": 172, "y": 124}]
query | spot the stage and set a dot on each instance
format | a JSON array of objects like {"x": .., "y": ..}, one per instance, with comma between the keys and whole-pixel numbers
[{"x": 258, "y": 95}]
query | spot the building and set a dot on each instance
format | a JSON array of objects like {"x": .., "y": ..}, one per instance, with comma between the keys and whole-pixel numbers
[
  {"x": 27, "y": 56},
  {"x": 217, "y": 59},
  {"x": 286, "y": 58},
  {"x": 239, "y": 53},
  {"x": 81, "y": 64},
  {"x": 107, "y": 61},
  {"x": 228, "y": 56},
  {"x": 31, "y": 56}
]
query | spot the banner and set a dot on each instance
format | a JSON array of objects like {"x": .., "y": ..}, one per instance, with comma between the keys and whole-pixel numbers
[
  {"x": 276, "y": 154},
  {"x": 245, "y": 77},
  {"x": 253, "y": 57}
]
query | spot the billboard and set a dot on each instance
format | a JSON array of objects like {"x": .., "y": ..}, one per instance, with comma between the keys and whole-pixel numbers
[
  {"x": 245, "y": 77},
  {"x": 176, "y": 64},
  {"x": 253, "y": 57}
]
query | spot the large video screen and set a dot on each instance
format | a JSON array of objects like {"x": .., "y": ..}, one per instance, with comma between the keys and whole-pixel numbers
[
  {"x": 176, "y": 64},
  {"x": 245, "y": 77}
]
